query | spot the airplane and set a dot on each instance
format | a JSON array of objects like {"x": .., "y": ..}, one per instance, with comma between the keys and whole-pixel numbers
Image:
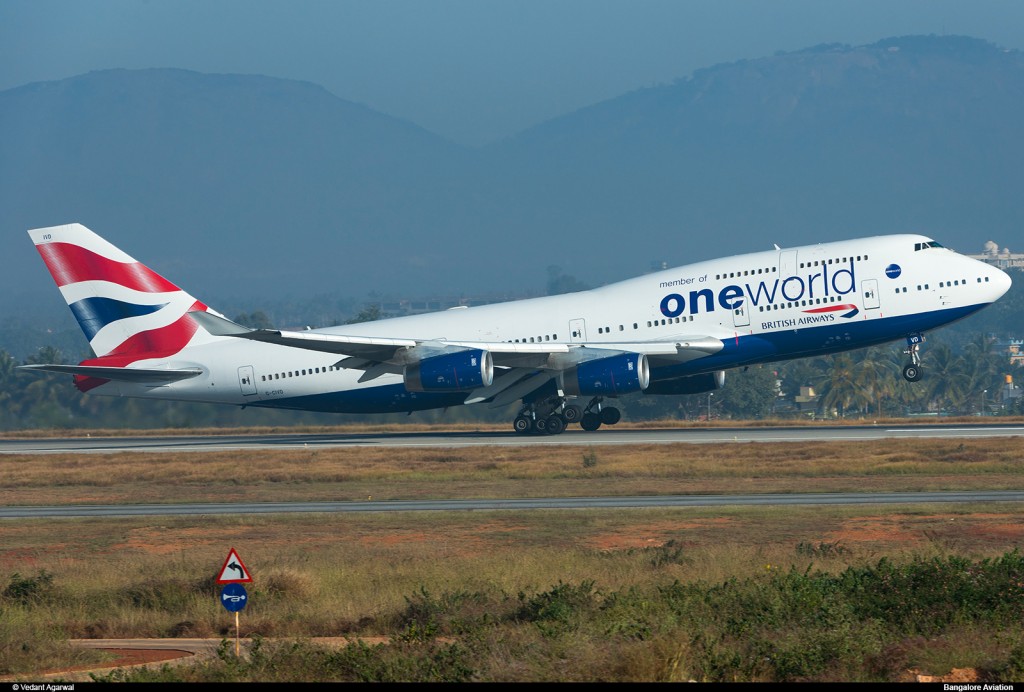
[{"x": 561, "y": 357}]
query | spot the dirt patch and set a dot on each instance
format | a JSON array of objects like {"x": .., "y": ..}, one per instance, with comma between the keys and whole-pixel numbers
[
  {"x": 155, "y": 540},
  {"x": 955, "y": 675},
  {"x": 652, "y": 535},
  {"x": 125, "y": 657},
  {"x": 875, "y": 529}
]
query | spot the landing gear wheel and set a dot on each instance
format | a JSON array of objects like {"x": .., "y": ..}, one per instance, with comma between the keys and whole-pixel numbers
[
  {"x": 590, "y": 421},
  {"x": 554, "y": 425},
  {"x": 540, "y": 426},
  {"x": 911, "y": 373},
  {"x": 522, "y": 425},
  {"x": 610, "y": 415},
  {"x": 572, "y": 413}
]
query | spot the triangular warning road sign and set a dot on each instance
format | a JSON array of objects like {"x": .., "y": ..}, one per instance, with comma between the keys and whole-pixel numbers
[{"x": 234, "y": 570}]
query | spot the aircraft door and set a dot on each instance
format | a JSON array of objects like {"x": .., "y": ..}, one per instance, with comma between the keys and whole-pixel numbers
[
  {"x": 247, "y": 380},
  {"x": 787, "y": 264},
  {"x": 740, "y": 318},
  {"x": 577, "y": 331},
  {"x": 869, "y": 292}
]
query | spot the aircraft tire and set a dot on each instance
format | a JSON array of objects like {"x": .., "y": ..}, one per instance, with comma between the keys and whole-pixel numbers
[
  {"x": 610, "y": 415},
  {"x": 590, "y": 421},
  {"x": 555, "y": 425},
  {"x": 522, "y": 425},
  {"x": 540, "y": 426},
  {"x": 911, "y": 373},
  {"x": 572, "y": 414}
]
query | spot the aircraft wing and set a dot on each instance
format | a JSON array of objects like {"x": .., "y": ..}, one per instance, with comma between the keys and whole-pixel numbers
[
  {"x": 139, "y": 375},
  {"x": 368, "y": 353}
]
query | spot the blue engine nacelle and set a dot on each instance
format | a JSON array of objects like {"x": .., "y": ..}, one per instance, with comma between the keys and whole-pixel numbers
[
  {"x": 608, "y": 376},
  {"x": 453, "y": 372},
  {"x": 695, "y": 384}
]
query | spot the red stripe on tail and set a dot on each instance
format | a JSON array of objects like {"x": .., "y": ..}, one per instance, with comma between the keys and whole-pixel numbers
[{"x": 71, "y": 263}]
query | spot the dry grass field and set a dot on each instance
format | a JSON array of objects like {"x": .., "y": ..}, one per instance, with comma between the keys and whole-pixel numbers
[{"x": 335, "y": 574}]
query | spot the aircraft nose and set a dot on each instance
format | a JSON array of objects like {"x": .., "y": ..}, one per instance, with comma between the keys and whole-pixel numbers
[{"x": 1001, "y": 283}]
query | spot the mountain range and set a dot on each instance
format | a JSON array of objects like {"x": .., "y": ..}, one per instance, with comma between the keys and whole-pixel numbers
[{"x": 246, "y": 187}]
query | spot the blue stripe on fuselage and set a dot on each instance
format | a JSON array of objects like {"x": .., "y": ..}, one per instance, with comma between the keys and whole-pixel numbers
[
  {"x": 787, "y": 344},
  {"x": 389, "y": 398}
]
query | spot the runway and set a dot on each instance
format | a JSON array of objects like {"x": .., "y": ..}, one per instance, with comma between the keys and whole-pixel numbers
[
  {"x": 632, "y": 437},
  {"x": 605, "y": 436},
  {"x": 985, "y": 497}
]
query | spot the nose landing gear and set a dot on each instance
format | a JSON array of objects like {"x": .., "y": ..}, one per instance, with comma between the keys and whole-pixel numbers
[{"x": 912, "y": 370}]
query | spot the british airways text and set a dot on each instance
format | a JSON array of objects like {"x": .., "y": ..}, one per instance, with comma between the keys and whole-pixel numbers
[{"x": 821, "y": 284}]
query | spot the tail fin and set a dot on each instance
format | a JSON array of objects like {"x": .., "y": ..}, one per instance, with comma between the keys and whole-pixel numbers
[{"x": 127, "y": 311}]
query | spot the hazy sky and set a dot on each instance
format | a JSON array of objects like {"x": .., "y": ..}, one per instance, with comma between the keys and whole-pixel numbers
[{"x": 470, "y": 70}]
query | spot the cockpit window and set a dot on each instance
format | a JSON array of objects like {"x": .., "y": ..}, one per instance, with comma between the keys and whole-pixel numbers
[{"x": 925, "y": 246}]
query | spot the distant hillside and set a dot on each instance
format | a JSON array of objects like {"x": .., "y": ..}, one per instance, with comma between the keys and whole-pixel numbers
[
  {"x": 912, "y": 134},
  {"x": 244, "y": 185},
  {"x": 227, "y": 183}
]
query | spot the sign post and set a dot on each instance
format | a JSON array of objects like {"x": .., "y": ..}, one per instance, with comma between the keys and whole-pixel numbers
[{"x": 234, "y": 597}]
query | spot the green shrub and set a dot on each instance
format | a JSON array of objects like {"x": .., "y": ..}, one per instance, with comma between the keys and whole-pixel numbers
[{"x": 29, "y": 590}]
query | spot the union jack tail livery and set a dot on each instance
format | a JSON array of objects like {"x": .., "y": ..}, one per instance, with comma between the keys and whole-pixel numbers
[{"x": 129, "y": 313}]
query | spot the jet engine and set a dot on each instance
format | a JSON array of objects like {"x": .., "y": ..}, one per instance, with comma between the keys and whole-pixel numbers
[
  {"x": 695, "y": 384},
  {"x": 452, "y": 372},
  {"x": 622, "y": 374}
]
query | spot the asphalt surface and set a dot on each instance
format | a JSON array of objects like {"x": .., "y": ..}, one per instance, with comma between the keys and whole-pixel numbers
[{"x": 604, "y": 436}]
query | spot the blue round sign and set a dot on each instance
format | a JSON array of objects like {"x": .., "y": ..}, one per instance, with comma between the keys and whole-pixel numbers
[
  {"x": 893, "y": 271},
  {"x": 233, "y": 597}
]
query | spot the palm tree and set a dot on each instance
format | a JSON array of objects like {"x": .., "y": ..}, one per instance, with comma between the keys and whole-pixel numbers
[
  {"x": 879, "y": 374},
  {"x": 985, "y": 367},
  {"x": 840, "y": 386},
  {"x": 949, "y": 382}
]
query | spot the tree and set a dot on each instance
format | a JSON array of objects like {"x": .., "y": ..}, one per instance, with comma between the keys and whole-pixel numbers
[
  {"x": 370, "y": 313},
  {"x": 949, "y": 381},
  {"x": 749, "y": 392},
  {"x": 878, "y": 374},
  {"x": 563, "y": 283},
  {"x": 256, "y": 320},
  {"x": 840, "y": 386}
]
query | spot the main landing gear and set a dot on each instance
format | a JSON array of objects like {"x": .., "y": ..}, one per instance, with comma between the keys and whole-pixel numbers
[
  {"x": 595, "y": 415},
  {"x": 551, "y": 416},
  {"x": 912, "y": 370}
]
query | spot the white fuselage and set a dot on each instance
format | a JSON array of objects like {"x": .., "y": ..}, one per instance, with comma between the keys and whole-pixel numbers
[{"x": 764, "y": 306}]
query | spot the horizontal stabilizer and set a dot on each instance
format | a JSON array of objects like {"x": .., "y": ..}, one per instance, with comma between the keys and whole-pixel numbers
[{"x": 140, "y": 375}]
